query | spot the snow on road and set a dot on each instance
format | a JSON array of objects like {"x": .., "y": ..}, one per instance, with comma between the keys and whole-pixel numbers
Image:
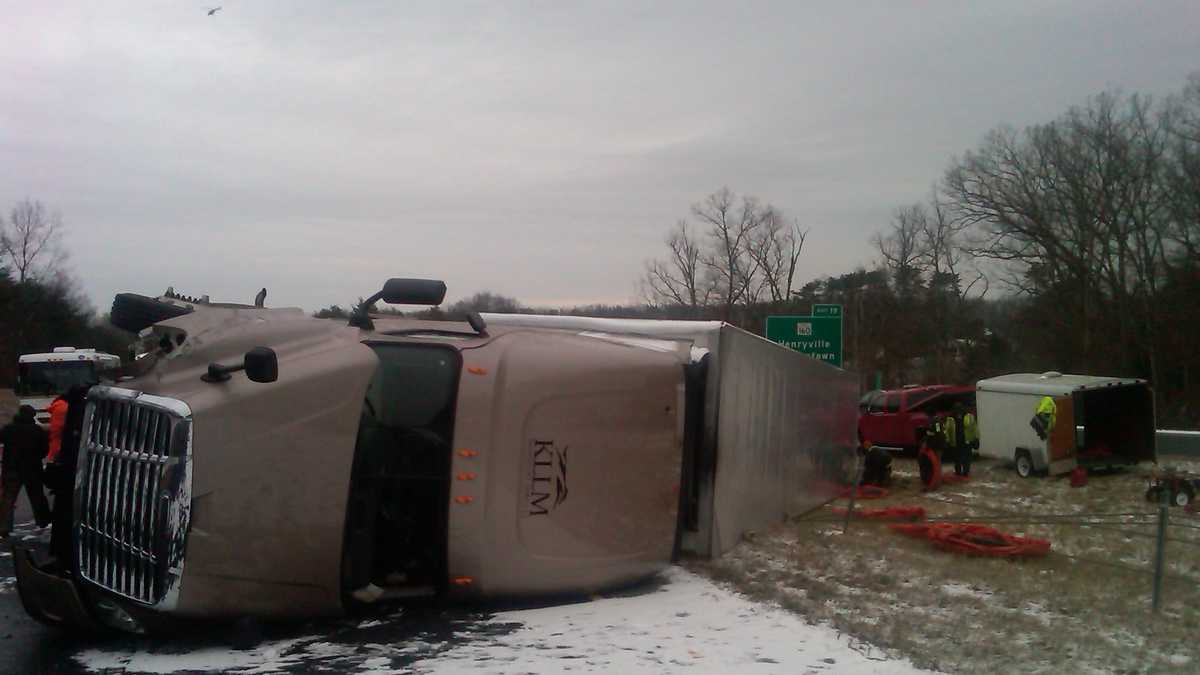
[{"x": 685, "y": 624}]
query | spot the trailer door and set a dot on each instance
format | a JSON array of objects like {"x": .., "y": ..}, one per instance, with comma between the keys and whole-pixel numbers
[{"x": 1061, "y": 444}]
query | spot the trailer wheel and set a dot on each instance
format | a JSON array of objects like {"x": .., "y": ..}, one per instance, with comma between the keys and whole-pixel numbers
[
  {"x": 1183, "y": 496},
  {"x": 1024, "y": 462}
]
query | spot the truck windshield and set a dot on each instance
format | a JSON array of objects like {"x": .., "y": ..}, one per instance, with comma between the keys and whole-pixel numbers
[
  {"x": 52, "y": 378},
  {"x": 413, "y": 388},
  {"x": 401, "y": 480}
]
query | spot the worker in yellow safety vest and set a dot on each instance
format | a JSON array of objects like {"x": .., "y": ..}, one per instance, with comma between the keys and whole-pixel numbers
[
  {"x": 962, "y": 437},
  {"x": 1043, "y": 420}
]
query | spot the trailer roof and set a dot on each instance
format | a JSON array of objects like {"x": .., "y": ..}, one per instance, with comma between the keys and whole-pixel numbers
[
  {"x": 1052, "y": 383},
  {"x": 701, "y": 333}
]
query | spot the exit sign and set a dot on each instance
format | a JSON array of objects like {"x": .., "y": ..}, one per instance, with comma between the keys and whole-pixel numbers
[{"x": 818, "y": 336}]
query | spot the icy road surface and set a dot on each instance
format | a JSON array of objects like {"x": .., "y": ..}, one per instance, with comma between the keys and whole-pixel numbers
[{"x": 683, "y": 623}]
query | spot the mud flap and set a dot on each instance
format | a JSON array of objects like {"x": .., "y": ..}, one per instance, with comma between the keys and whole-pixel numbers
[{"x": 49, "y": 598}]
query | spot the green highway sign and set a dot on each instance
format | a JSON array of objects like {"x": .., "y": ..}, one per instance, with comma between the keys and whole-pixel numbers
[{"x": 818, "y": 336}]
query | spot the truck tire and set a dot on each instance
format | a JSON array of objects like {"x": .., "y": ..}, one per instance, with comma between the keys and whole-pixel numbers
[
  {"x": 132, "y": 312},
  {"x": 1024, "y": 461},
  {"x": 1183, "y": 496}
]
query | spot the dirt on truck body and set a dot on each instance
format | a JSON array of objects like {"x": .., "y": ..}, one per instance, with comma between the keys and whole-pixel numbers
[{"x": 264, "y": 463}]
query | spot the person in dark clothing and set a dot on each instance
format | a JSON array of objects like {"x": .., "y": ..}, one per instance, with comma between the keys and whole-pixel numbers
[
  {"x": 877, "y": 466},
  {"x": 63, "y": 484},
  {"x": 25, "y": 445},
  {"x": 957, "y": 441}
]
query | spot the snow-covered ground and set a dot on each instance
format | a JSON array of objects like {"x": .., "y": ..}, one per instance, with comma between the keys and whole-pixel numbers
[{"x": 686, "y": 623}]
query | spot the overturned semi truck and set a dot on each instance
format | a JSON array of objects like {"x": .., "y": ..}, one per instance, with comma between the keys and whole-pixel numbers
[{"x": 263, "y": 463}]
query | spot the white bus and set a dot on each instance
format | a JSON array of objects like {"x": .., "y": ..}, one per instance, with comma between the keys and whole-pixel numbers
[{"x": 43, "y": 377}]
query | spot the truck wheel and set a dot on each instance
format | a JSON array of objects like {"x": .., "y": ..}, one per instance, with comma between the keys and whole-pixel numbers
[
  {"x": 1024, "y": 462},
  {"x": 1183, "y": 496}
]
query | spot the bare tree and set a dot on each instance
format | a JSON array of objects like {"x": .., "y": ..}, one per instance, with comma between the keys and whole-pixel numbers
[
  {"x": 777, "y": 249},
  {"x": 732, "y": 228},
  {"x": 901, "y": 248},
  {"x": 29, "y": 241},
  {"x": 680, "y": 278},
  {"x": 1082, "y": 206},
  {"x": 740, "y": 251},
  {"x": 945, "y": 253}
]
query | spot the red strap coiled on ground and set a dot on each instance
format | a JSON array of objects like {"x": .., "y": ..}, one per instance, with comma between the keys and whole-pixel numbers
[
  {"x": 975, "y": 539},
  {"x": 865, "y": 492}
]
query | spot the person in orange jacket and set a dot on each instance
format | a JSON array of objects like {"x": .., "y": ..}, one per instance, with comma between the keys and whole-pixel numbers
[
  {"x": 58, "y": 420},
  {"x": 929, "y": 457}
]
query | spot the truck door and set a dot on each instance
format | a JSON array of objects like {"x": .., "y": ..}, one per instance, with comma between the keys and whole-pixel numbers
[
  {"x": 871, "y": 423},
  {"x": 891, "y": 426},
  {"x": 1061, "y": 442}
]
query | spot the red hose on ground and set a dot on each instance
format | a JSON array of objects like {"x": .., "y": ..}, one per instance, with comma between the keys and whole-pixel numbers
[
  {"x": 888, "y": 513},
  {"x": 865, "y": 492},
  {"x": 975, "y": 539}
]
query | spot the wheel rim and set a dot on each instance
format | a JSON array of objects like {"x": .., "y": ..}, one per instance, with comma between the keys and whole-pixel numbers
[
  {"x": 1181, "y": 498},
  {"x": 1024, "y": 466}
]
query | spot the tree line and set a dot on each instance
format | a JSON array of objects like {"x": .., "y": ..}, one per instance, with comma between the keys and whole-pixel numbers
[
  {"x": 1072, "y": 245},
  {"x": 40, "y": 304}
]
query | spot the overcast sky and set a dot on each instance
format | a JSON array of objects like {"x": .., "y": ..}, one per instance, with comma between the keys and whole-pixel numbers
[{"x": 540, "y": 150}]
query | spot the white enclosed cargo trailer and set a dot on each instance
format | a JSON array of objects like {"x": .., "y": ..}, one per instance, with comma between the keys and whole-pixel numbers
[{"x": 1100, "y": 421}]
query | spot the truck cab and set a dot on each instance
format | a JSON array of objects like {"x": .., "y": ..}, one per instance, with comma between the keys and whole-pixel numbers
[
  {"x": 898, "y": 418},
  {"x": 43, "y": 377},
  {"x": 261, "y": 462}
]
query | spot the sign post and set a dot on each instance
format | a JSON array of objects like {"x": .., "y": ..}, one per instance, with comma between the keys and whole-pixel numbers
[{"x": 818, "y": 335}]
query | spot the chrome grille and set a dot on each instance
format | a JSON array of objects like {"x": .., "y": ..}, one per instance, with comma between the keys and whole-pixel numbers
[{"x": 133, "y": 495}]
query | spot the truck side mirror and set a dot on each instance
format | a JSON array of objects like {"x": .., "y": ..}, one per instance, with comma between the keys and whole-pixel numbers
[
  {"x": 429, "y": 292},
  {"x": 414, "y": 292},
  {"x": 261, "y": 365}
]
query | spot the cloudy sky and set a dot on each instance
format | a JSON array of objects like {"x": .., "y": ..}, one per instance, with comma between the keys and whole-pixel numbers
[{"x": 537, "y": 149}]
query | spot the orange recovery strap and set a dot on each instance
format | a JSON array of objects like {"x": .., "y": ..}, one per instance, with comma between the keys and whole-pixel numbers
[{"x": 975, "y": 539}]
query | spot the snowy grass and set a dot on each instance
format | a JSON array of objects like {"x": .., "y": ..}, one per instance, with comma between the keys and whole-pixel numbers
[{"x": 1084, "y": 608}]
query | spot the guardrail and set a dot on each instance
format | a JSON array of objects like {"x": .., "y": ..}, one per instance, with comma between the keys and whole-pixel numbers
[{"x": 1178, "y": 443}]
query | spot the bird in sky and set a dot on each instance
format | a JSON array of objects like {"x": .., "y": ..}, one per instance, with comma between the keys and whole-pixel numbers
[{"x": 214, "y": 10}]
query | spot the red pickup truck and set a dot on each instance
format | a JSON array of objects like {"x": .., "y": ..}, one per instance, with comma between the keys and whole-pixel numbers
[{"x": 898, "y": 418}]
